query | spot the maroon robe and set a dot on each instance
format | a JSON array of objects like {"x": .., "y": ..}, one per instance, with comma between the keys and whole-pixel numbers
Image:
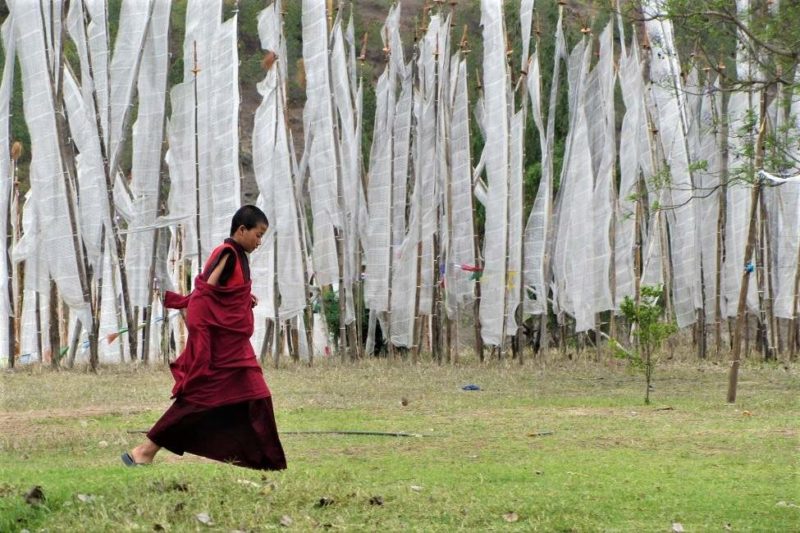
[
  {"x": 223, "y": 407},
  {"x": 218, "y": 365}
]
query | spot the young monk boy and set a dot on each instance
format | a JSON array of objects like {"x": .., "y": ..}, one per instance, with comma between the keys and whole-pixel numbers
[{"x": 222, "y": 408}]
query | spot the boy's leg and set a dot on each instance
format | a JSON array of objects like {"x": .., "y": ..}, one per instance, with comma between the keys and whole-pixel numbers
[{"x": 145, "y": 452}]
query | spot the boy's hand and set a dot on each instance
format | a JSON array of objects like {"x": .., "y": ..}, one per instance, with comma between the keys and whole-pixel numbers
[{"x": 253, "y": 300}]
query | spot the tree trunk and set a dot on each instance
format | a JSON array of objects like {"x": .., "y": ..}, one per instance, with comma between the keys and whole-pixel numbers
[
  {"x": 733, "y": 376},
  {"x": 478, "y": 273},
  {"x": 73, "y": 345},
  {"x": 10, "y": 241},
  {"x": 417, "y": 319},
  {"x": 54, "y": 330},
  {"x": 722, "y": 119},
  {"x": 436, "y": 306},
  {"x": 702, "y": 345},
  {"x": 648, "y": 372},
  {"x": 793, "y": 333},
  {"x": 266, "y": 342}
]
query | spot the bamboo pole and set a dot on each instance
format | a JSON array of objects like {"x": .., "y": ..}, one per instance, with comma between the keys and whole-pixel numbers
[
  {"x": 520, "y": 311},
  {"x": 69, "y": 173},
  {"x": 110, "y": 168},
  {"x": 722, "y": 133},
  {"x": 773, "y": 331},
  {"x": 54, "y": 333},
  {"x": 353, "y": 345},
  {"x": 165, "y": 336},
  {"x": 507, "y": 234},
  {"x": 301, "y": 227},
  {"x": 436, "y": 318},
  {"x": 414, "y": 143},
  {"x": 793, "y": 333},
  {"x": 358, "y": 283},
  {"x": 544, "y": 336},
  {"x": 476, "y": 303},
  {"x": 151, "y": 280},
  {"x": 12, "y": 237},
  {"x": 94, "y": 331},
  {"x": 448, "y": 206},
  {"x": 339, "y": 232},
  {"x": 292, "y": 339},
  {"x": 63, "y": 328},
  {"x": 182, "y": 285},
  {"x": 38, "y": 316},
  {"x": 118, "y": 309},
  {"x": 195, "y": 70},
  {"x": 342, "y": 298},
  {"x": 638, "y": 255},
  {"x": 764, "y": 280},
  {"x": 308, "y": 310},
  {"x": 447, "y": 210},
  {"x": 73, "y": 345},
  {"x": 276, "y": 303},
  {"x": 417, "y": 318},
  {"x": 156, "y": 238},
  {"x": 388, "y": 321},
  {"x": 266, "y": 342},
  {"x": 762, "y": 328}
]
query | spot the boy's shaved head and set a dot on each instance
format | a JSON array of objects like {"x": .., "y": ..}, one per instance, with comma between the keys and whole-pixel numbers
[{"x": 248, "y": 216}]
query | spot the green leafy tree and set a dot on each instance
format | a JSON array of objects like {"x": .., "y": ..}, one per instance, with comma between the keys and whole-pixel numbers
[{"x": 650, "y": 330}]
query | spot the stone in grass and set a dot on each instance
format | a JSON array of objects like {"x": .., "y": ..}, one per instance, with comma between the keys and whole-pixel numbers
[
  {"x": 286, "y": 520},
  {"x": 35, "y": 496},
  {"x": 677, "y": 527},
  {"x": 204, "y": 519},
  {"x": 511, "y": 517},
  {"x": 85, "y": 498}
]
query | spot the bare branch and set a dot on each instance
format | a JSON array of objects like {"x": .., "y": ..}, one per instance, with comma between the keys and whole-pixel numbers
[{"x": 731, "y": 18}]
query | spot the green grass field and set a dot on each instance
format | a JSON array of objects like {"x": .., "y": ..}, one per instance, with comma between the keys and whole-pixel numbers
[{"x": 544, "y": 447}]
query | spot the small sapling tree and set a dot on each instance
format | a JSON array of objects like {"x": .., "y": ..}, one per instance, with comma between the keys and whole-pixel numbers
[{"x": 649, "y": 330}]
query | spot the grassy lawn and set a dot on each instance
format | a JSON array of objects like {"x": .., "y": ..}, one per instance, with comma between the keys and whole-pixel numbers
[{"x": 544, "y": 447}]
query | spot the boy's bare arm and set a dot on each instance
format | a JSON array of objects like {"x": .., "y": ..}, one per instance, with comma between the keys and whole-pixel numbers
[{"x": 213, "y": 279}]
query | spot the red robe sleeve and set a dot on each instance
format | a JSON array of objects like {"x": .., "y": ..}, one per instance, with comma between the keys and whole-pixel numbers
[{"x": 175, "y": 301}]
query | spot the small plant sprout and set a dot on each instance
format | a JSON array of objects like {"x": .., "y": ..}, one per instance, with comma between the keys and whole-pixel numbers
[{"x": 649, "y": 330}]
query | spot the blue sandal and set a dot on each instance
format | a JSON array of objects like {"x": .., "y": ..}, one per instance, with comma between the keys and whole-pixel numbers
[{"x": 127, "y": 458}]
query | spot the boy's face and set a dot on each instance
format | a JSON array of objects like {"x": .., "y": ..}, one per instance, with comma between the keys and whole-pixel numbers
[{"x": 250, "y": 239}]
